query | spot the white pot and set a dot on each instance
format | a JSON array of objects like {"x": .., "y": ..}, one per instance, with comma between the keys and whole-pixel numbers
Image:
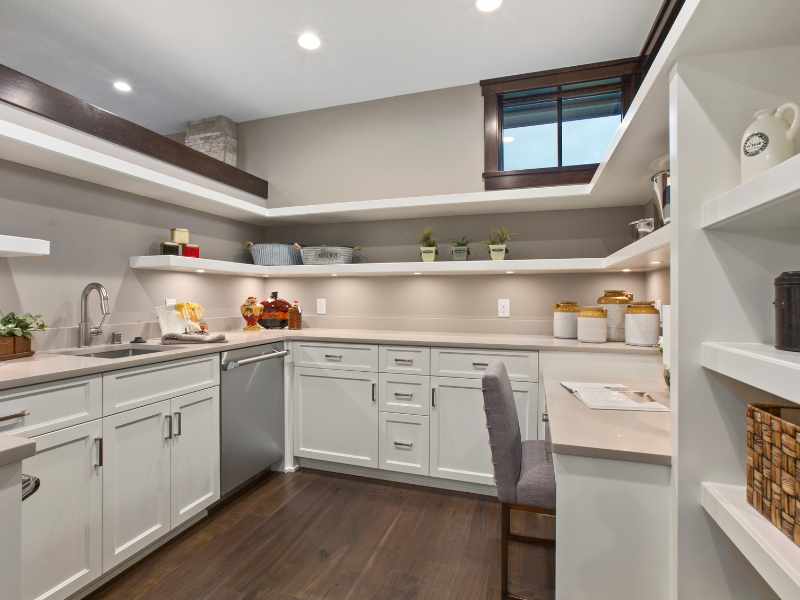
[
  {"x": 641, "y": 329},
  {"x": 497, "y": 252},
  {"x": 565, "y": 325},
  {"x": 459, "y": 252},
  {"x": 769, "y": 140},
  {"x": 616, "y": 321},
  {"x": 428, "y": 253},
  {"x": 592, "y": 329}
]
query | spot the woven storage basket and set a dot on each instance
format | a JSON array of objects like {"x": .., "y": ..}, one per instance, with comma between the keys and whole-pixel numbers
[
  {"x": 773, "y": 480},
  {"x": 327, "y": 255},
  {"x": 270, "y": 255}
]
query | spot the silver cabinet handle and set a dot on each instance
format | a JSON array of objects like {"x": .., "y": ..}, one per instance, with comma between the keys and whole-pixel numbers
[
  {"x": 545, "y": 417},
  {"x": 480, "y": 365},
  {"x": 374, "y": 395},
  {"x": 403, "y": 395},
  {"x": 433, "y": 397},
  {"x": 333, "y": 356},
  {"x": 100, "y": 454},
  {"x": 403, "y": 361},
  {"x": 233, "y": 364},
  {"x": 18, "y": 415},
  {"x": 178, "y": 423},
  {"x": 168, "y": 422},
  {"x": 404, "y": 444}
]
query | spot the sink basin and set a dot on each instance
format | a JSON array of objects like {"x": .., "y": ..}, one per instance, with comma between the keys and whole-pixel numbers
[{"x": 115, "y": 351}]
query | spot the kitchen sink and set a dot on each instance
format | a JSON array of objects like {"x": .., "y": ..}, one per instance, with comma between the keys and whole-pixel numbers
[{"x": 116, "y": 350}]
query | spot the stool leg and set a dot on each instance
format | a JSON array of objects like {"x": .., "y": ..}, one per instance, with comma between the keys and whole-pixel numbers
[{"x": 505, "y": 529}]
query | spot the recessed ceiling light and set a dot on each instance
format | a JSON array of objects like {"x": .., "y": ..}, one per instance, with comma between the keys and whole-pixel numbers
[
  {"x": 308, "y": 40},
  {"x": 488, "y": 6},
  {"x": 122, "y": 86},
  {"x": 334, "y": 275},
  {"x": 626, "y": 270},
  {"x": 417, "y": 273},
  {"x": 507, "y": 139},
  {"x": 199, "y": 270}
]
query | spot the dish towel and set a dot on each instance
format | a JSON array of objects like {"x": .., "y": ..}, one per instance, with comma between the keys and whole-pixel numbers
[
  {"x": 192, "y": 338},
  {"x": 613, "y": 396}
]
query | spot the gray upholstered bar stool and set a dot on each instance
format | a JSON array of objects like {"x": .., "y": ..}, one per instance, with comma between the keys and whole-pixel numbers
[{"x": 523, "y": 471}]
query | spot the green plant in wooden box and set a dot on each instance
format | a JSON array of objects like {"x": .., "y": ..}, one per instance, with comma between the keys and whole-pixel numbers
[
  {"x": 16, "y": 331},
  {"x": 498, "y": 243},
  {"x": 459, "y": 249},
  {"x": 428, "y": 247}
]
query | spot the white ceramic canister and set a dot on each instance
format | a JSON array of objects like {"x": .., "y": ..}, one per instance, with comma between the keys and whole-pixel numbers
[
  {"x": 769, "y": 140},
  {"x": 616, "y": 302},
  {"x": 642, "y": 324},
  {"x": 565, "y": 320},
  {"x": 593, "y": 325}
]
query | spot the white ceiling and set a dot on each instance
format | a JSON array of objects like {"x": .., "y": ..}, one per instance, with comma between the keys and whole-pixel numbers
[{"x": 189, "y": 59}]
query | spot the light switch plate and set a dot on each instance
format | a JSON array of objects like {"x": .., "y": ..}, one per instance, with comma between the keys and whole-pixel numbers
[
  {"x": 170, "y": 301},
  {"x": 504, "y": 307},
  {"x": 322, "y": 306}
]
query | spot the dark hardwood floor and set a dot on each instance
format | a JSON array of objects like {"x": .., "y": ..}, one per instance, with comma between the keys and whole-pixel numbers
[{"x": 314, "y": 536}]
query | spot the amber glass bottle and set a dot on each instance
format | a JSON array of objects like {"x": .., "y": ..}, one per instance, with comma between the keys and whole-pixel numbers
[{"x": 295, "y": 316}]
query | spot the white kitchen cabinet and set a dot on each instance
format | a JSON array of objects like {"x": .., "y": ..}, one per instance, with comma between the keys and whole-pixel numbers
[
  {"x": 137, "y": 507},
  {"x": 328, "y": 355},
  {"x": 61, "y": 522},
  {"x": 405, "y": 359},
  {"x": 336, "y": 416},
  {"x": 459, "y": 441},
  {"x": 404, "y": 443},
  {"x": 195, "y": 453},
  {"x": 468, "y": 362},
  {"x": 407, "y": 394}
]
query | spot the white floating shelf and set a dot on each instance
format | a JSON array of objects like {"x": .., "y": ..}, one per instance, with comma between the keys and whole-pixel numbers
[
  {"x": 770, "y": 552},
  {"x": 12, "y": 246},
  {"x": 647, "y": 254},
  {"x": 758, "y": 365},
  {"x": 767, "y": 202}
]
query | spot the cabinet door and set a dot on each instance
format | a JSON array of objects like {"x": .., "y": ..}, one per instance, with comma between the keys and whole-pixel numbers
[
  {"x": 459, "y": 443},
  {"x": 136, "y": 480},
  {"x": 61, "y": 522},
  {"x": 336, "y": 416},
  {"x": 195, "y": 453},
  {"x": 404, "y": 443}
]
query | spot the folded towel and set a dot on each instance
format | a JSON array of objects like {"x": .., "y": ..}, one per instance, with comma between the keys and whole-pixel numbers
[{"x": 192, "y": 338}]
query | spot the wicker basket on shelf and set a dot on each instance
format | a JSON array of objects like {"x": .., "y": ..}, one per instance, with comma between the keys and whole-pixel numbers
[{"x": 773, "y": 478}]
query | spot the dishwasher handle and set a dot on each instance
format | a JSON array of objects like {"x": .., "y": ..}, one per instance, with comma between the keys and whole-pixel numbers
[{"x": 233, "y": 364}]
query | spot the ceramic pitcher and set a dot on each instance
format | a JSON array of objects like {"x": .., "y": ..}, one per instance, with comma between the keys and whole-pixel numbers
[{"x": 769, "y": 140}]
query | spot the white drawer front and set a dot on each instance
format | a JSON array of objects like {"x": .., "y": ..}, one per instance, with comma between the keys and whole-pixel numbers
[
  {"x": 348, "y": 357},
  {"x": 404, "y": 443},
  {"x": 129, "y": 388},
  {"x": 38, "y": 409},
  {"x": 408, "y": 394},
  {"x": 405, "y": 359},
  {"x": 464, "y": 362}
]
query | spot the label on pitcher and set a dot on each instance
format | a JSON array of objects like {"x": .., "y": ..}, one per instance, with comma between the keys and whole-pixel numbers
[{"x": 755, "y": 144}]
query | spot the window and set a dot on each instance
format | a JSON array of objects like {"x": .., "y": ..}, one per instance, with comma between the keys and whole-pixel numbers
[{"x": 553, "y": 128}]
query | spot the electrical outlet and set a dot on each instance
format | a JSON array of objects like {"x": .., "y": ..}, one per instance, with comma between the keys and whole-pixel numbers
[
  {"x": 503, "y": 307},
  {"x": 322, "y": 306},
  {"x": 170, "y": 301}
]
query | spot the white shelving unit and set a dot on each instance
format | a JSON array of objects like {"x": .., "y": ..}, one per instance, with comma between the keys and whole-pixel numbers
[
  {"x": 649, "y": 253},
  {"x": 772, "y": 554},
  {"x": 758, "y": 365},
  {"x": 13, "y": 246}
]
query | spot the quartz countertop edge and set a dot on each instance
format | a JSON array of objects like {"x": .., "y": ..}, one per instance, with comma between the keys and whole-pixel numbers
[
  {"x": 633, "y": 436},
  {"x": 14, "y": 449},
  {"x": 46, "y": 366}
]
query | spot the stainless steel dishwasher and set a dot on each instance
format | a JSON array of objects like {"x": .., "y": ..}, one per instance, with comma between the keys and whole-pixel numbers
[{"x": 252, "y": 413}]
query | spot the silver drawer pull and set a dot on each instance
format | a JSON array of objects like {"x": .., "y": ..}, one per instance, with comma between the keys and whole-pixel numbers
[
  {"x": 14, "y": 416},
  {"x": 404, "y": 361},
  {"x": 403, "y": 395},
  {"x": 545, "y": 418},
  {"x": 404, "y": 444},
  {"x": 333, "y": 356},
  {"x": 480, "y": 365}
]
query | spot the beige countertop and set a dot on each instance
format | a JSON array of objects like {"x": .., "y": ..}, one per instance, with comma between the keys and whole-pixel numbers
[
  {"x": 14, "y": 449},
  {"x": 51, "y": 366},
  {"x": 635, "y": 436}
]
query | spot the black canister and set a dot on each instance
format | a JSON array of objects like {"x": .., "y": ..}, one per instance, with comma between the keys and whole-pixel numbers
[{"x": 787, "y": 311}]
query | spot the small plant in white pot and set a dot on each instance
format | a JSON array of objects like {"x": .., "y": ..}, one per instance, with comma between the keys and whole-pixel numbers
[
  {"x": 428, "y": 248},
  {"x": 459, "y": 249},
  {"x": 498, "y": 243}
]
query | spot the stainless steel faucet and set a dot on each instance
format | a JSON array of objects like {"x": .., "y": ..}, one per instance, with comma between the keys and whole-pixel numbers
[{"x": 86, "y": 329}]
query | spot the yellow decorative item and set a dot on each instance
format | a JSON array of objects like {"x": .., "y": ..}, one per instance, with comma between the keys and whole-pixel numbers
[{"x": 251, "y": 311}]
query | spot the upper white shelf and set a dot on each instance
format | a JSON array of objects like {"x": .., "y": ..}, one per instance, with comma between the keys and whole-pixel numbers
[
  {"x": 12, "y": 246},
  {"x": 765, "y": 203},
  {"x": 649, "y": 253},
  {"x": 770, "y": 552},
  {"x": 758, "y": 365}
]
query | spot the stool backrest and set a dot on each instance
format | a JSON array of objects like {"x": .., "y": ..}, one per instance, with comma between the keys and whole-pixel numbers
[{"x": 504, "y": 435}]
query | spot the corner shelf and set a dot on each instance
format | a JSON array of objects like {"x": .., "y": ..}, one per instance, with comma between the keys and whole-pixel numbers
[
  {"x": 767, "y": 202},
  {"x": 647, "y": 254},
  {"x": 12, "y": 246},
  {"x": 757, "y": 365},
  {"x": 770, "y": 552}
]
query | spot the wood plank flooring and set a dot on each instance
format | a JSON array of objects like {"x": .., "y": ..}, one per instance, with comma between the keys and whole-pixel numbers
[{"x": 317, "y": 536}]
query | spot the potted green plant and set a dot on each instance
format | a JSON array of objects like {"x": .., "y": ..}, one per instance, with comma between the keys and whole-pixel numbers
[
  {"x": 15, "y": 334},
  {"x": 498, "y": 243},
  {"x": 459, "y": 249},
  {"x": 428, "y": 248}
]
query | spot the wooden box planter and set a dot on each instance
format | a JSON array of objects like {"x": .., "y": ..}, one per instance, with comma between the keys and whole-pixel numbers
[
  {"x": 14, "y": 347},
  {"x": 773, "y": 478}
]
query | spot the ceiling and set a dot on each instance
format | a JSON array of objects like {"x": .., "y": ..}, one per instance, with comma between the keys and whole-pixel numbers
[{"x": 189, "y": 59}]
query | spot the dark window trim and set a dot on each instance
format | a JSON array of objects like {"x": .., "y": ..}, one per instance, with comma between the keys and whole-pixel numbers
[
  {"x": 658, "y": 32},
  {"x": 493, "y": 89},
  {"x": 32, "y": 95}
]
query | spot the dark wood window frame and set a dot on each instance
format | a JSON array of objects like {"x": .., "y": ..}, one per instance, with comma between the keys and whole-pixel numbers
[{"x": 493, "y": 90}]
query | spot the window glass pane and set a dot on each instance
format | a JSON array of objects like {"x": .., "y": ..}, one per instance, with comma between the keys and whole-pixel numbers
[
  {"x": 530, "y": 135},
  {"x": 589, "y": 124},
  {"x": 586, "y": 84},
  {"x": 529, "y": 93}
]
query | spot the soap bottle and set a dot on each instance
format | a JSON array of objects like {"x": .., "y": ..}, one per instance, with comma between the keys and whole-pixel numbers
[{"x": 295, "y": 316}]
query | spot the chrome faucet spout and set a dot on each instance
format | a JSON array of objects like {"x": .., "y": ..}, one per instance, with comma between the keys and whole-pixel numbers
[{"x": 85, "y": 328}]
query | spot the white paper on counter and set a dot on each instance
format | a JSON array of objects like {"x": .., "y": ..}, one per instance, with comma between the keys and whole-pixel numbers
[{"x": 611, "y": 396}]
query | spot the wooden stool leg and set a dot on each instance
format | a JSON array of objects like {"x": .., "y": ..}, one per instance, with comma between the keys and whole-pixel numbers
[{"x": 505, "y": 530}]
